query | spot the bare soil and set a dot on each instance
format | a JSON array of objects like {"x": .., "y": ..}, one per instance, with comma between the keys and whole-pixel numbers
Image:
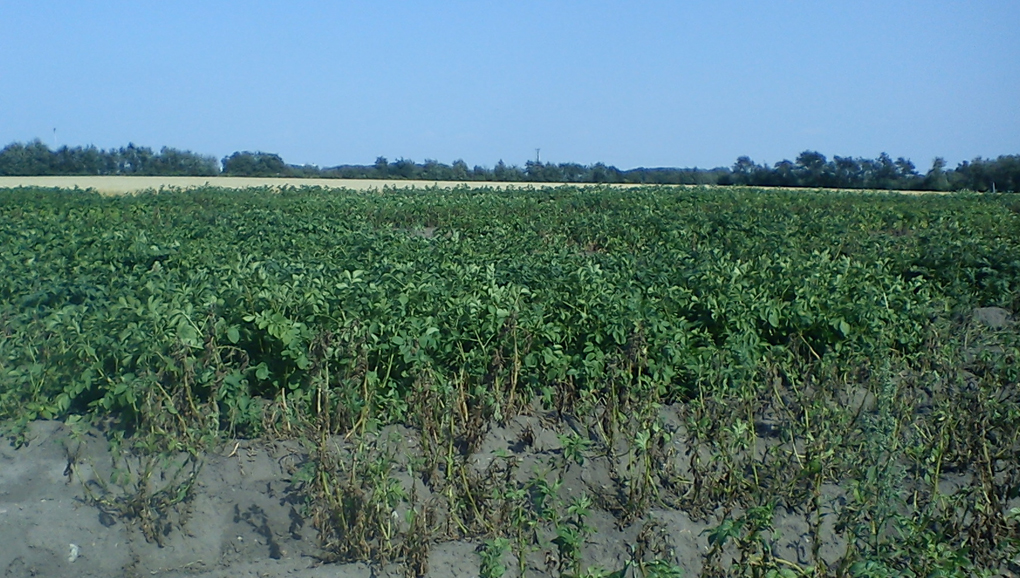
[{"x": 247, "y": 514}]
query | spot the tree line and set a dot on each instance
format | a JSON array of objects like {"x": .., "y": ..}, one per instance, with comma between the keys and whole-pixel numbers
[
  {"x": 809, "y": 169},
  {"x": 37, "y": 159},
  {"x": 812, "y": 169}
]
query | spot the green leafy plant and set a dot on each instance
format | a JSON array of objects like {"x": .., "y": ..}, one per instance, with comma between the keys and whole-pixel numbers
[
  {"x": 492, "y": 553},
  {"x": 574, "y": 448}
]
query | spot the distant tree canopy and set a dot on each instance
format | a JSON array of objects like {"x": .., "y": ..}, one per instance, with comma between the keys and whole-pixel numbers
[
  {"x": 812, "y": 169},
  {"x": 36, "y": 159},
  {"x": 248, "y": 164},
  {"x": 809, "y": 169}
]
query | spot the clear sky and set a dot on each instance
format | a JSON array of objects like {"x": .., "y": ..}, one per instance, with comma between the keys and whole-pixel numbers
[{"x": 638, "y": 83}]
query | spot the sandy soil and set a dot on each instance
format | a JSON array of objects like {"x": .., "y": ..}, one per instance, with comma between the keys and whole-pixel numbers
[
  {"x": 48, "y": 528},
  {"x": 246, "y": 515}
]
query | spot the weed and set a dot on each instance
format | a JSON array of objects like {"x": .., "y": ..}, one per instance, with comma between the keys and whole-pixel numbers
[
  {"x": 492, "y": 553},
  {"x": 574, "y": 448}
]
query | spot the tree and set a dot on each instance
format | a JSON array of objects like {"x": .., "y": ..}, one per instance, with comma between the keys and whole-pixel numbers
[
  {"x": 505, "y": 173},
  {"x": 936, "y": 179},
  {"x": 786, "y": 174},
  {"x": 433, "y": 170},
  {"x": 1004, "y": 173},
  {"x": 883, "y": 173},
  {"x": 18, "y": 159},
  {"x": 404, "y": 169},
  {"x": 573, "y": 172},
  {"x": 600, "y": 173},
  {"x": 906, "y": 169},
  {"x": 134, "y": 160},
  {"x": 171, "y": 161},
  {"x": 847, "y": 173},
  {"x": 255, "y": 164},
  {"x": 459, "y": 170},
  {"x": 499, "y": 172},
  {"x": 382, "y": 168},
  {"x": 743, "y": 170},
  {"x": 813, "y": 169}
]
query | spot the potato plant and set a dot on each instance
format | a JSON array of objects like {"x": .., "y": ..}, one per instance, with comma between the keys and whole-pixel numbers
[{"x": 811, "y": 341}]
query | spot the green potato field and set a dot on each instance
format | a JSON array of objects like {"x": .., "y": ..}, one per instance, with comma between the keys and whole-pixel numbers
[{"x": 819, "y": 383}]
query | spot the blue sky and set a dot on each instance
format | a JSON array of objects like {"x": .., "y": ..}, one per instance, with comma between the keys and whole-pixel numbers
[{"x": 626, "y": 83}]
